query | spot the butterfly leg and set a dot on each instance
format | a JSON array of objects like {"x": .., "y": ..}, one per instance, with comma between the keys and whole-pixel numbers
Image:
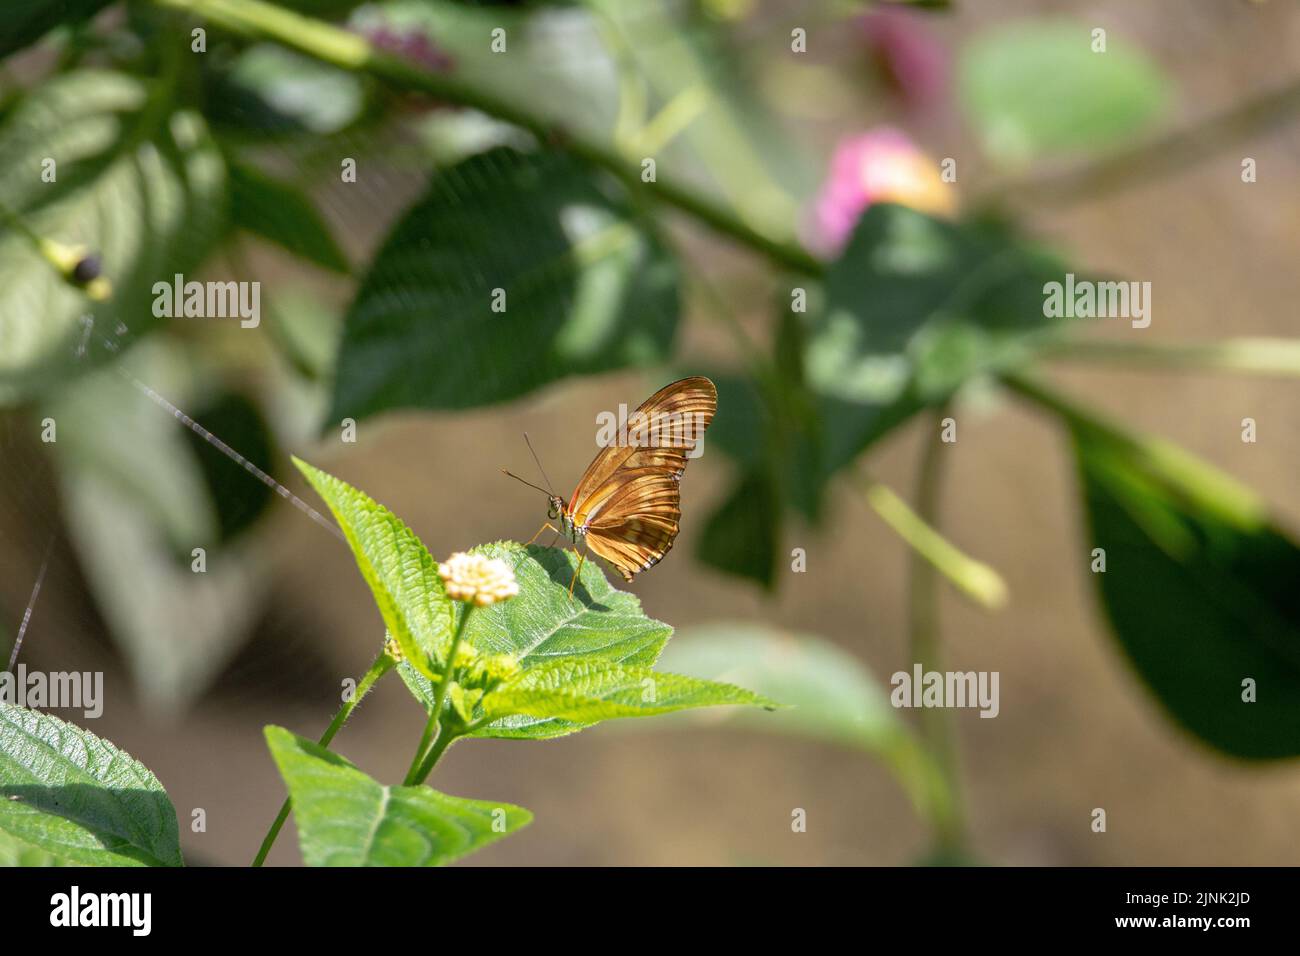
[
  {"x": 545, "y": 525},
  {"x": 581, "y": 558}
]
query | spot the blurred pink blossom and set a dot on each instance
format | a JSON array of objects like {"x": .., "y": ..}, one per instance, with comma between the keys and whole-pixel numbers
[
  {"x": 411, "y": 44},
  {"x": 913, "y": 61},
  {"x": 880, "y": 165}
]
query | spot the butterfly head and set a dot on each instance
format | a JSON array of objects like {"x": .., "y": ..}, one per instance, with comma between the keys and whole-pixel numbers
[{"x": 557, "y": 507}]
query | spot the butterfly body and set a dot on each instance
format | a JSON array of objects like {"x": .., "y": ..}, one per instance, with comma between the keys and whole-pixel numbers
[{"x": 627, "y": 504}]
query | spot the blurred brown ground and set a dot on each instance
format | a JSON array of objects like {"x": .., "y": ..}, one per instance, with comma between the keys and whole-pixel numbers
[{"x": 1076, "y": 729}]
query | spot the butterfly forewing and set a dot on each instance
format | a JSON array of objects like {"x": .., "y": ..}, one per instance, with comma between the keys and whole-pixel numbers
[{"x": 629, "y": 498}]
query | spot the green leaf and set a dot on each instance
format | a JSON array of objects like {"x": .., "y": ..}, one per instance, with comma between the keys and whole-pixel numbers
[
  {"x": 1036, "y": 87},
  {"x": 830, "y": 695},
  {"x": 136, "y": 504},
  {"x": 275, "y": 90},
  {"x": 240, "y": 423},
  {"x": 14, "y": 852},
  {"x": 282, "y": 214},
  {"x": 583, "y": 659},
  {"x": 915, "y": 308},
  {"x": 589, "y": 691},
  {"x": 138, "y": 184},
  {"x": 71, "y": 794},
  {"x": 1200, "y": 589},
  {"x": 402, "y": 575},
  {"x": 345, "y": 818},
  {"x": 573, "y": 659},
  {"x": 28, "y": 20},
  {"x": 587, "y": 288},
  {"x": 544, "y": 624},
  {"x": 742, "y": 535}
]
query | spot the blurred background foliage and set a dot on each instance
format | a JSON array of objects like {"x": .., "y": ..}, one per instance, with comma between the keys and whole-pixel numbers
[{"x": 796, "y": 243}]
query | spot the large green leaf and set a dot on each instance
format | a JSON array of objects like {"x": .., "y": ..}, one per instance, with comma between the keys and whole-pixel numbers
[
  {"x": 1200, "y": 588},
  {"x": 139, "y": 184},
  {"x": 573, "y": 659},
  {"x": 830, "y": 696},
  {"x": 66, "y": 791},
  {"x": 402, "y": 575},
  {"x": 28, "y": 20},
  {"x": 587, "y": 288},
  {"x": 346, "y": 818},
  {"x": 1035, "y": 87},
  {"x": 583, "y": 659},
  {"x": 915, "y": 308}
]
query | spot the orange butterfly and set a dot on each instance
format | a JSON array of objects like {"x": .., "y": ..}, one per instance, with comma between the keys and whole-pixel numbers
[{"x": 627, "y": 505}]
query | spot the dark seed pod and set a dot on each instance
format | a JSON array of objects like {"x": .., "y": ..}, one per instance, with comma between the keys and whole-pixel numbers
[{"x": 87, "y": 269}]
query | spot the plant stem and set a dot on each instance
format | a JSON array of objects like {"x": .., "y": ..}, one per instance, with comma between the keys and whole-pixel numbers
[
  {"x": 435, "y": 753},
  {"x": 381, "y": 666},
  {"x": 330, "y": 44},
  {"x": 436, "y": 737},
  {"x": 1256, "y": 356},
  {"x": 937, "y": 729},
  {"x": 977, "y": 580}
]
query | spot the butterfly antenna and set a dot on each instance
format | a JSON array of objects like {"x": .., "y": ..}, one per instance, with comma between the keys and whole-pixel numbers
[
  {"x": 528, "y": 483},
  {"x": 539, "y": 464}
]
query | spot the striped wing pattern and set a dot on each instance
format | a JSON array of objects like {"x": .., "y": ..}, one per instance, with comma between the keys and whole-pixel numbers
[{"x": 629, "y": 499}]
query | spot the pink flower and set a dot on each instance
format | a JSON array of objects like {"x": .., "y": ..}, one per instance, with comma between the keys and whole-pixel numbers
[
  {"x": 880, "y": 165},
  {"x": 913, "y": 62},
  {"x": 412, "y": 45}
]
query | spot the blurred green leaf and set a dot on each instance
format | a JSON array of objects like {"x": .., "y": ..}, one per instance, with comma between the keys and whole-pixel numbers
[
  {"x": 345, "y": 818},
  {"x": 283, "y": 91},
  {"x": 742, "y": 534},
  {"x": 1036, "y": 87},
  {"x": 587, "y": 288},
  {"x": 78, "y": 797},
  {"x": 14, "y": 852},
  {"x": 1200, "y": 589},
  {"x": 915, "y": 308},
  {"x": 137, "y": 504},
  {"x": 830, "y": 694},
  {"x": 28, "y": 20},
  {"x": 305, "y": 330},
  {"x": 238, "y": 500},
  {"x": 282, "y": 214},
  {"x": 139, "y": 184}
]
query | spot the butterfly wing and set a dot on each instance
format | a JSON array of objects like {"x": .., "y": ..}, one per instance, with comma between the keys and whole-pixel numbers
[{"x": 629, "y": 498}]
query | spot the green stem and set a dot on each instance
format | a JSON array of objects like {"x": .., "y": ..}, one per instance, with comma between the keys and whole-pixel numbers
[
  {"x": 977, "y": 580},
  {"x": 439, "y": 747},
  {"x": 383, "y": 663},
  {"x": 1256, "y": 356},
  {"x": 937, "y": 728},
  {"x": 436, "y": 737},
  {"x": 329, "y": 44}
]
